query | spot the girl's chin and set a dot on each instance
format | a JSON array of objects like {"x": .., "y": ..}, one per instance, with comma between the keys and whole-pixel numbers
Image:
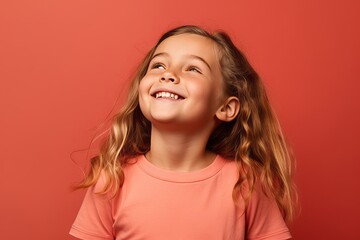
[{"x": 163, "y": 120}]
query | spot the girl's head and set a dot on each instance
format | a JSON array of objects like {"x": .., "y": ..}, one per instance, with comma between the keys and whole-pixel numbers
[
  {"x": 189, "y": 62},
  {"x": 183, "y": 88},
  {"x": 235, "y": 83}
]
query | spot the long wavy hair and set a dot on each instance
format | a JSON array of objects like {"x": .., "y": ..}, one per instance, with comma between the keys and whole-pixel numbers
[{"x": 254, "y": 139}]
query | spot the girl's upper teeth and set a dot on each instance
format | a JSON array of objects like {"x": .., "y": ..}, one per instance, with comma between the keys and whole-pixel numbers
[{"x": 166, "y": 95}]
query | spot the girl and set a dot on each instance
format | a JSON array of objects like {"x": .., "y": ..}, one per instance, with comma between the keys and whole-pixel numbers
[{"x": 195, "y": 153}]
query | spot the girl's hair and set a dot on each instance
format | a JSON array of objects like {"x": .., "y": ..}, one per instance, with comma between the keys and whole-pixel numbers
[{"x": 254, "y": 139}]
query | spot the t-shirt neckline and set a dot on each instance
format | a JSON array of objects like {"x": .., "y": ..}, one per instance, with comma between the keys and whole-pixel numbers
[{"x": 181, "y": 177}]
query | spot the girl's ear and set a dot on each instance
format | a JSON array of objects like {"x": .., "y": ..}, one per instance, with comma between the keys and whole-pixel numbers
[{"x": 229, "y": 110}]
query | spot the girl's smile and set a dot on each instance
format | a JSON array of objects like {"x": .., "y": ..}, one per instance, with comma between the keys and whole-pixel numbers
[{"x": 166, "y": 93}]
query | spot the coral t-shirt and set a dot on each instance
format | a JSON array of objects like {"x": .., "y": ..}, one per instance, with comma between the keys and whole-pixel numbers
[{"x": 159, "y": 204}]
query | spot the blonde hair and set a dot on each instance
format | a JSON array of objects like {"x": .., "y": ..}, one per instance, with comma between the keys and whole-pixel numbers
[{"x": 254, "y": 139}]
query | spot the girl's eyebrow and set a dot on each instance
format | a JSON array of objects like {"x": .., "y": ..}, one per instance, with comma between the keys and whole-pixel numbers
[
  {"x": 159, "y": 54},
  {"x": 201, "y": 59},
  {"x": 189, "y": 55}
]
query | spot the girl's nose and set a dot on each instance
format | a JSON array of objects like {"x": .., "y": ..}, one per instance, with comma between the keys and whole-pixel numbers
[{"x": 168, "y": 77}]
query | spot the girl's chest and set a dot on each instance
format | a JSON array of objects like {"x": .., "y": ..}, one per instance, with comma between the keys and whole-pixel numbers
[{"x": 162, "y": 210}]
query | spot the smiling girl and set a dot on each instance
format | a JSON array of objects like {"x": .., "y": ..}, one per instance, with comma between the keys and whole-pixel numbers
[{"x": 195, "y": 153}]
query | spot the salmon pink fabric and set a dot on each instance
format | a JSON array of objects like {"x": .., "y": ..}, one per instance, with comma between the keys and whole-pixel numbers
[{"x": 159, "y": 204}]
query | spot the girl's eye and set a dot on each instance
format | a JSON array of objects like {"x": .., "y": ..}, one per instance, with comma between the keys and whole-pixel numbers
[
  {"x": 194, "y": 69},
  {"x": 158, "y": 66}
]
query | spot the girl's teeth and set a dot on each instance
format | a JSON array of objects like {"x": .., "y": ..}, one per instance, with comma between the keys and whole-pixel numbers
[{"x": 166, "y": 95}]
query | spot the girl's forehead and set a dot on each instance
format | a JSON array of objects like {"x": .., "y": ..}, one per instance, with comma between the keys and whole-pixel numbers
[{"x": 189, "y": 44}]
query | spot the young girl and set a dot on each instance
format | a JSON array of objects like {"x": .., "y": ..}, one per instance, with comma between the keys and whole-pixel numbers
[{"x": 195, "y": 153}]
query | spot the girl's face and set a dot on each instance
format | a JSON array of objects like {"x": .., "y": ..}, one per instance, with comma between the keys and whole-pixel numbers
[{"x": 183, "y": 85}]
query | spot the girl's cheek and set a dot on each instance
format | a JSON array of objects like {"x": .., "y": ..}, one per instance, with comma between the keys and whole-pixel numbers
[
  {"x": 144, "y": 81},
  {"x": 142, "y": 89},
  {"x": 147, "y": 79}
]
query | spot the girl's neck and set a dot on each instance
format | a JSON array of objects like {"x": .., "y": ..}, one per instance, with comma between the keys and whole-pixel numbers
[{"x": 179, "y": 151}]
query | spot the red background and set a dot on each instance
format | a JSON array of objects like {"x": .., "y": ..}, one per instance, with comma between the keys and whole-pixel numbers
[{"x": 63, "y": 64}]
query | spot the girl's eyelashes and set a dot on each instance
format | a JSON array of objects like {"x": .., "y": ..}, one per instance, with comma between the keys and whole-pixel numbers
[
  {"x": 157, "y": 66},
  {"x": 162, "y": 66},
  {"x": 194, "y": 69}
]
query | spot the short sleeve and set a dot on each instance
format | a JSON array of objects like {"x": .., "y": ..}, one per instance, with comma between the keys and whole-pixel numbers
[
  {"x": 264, "y": 219},
  {"x": 94, "y": 220}
]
